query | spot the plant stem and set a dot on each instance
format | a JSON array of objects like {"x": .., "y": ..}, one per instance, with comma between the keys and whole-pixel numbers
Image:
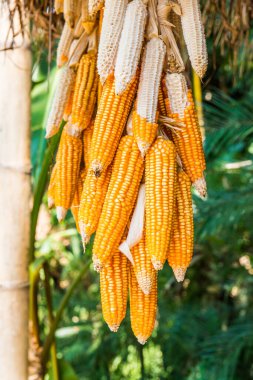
[
  {"x": 142, "y": 362},
  {"x": 63, "y": 304}
]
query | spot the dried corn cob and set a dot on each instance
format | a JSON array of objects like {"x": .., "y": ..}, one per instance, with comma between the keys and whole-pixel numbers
[
  {"x": 77, "y": 49},
  {"x": 160, "y": 180},
  {"x": 92, "y": 200},
  {"x": 181, "y": 243},
  {"x": 177, "y": 93},
  {"x": 194, "y": 35},
  {"x": 94, "y": 6},
  {"x": 110, "y": 121},
  {"x": 130, "y": 44},
  {"x": 65, "y": 82},
  {"x": 151, "y": 71},
  {"x": 68, "y": 164},
  {"x": 71, "y": 11},
  {"x": 58, "y": 6},
  {"x": 144, "y": 132},
  {"x": 85, "y": 91},
  {"x": 78, "y": 29},
  {"x": 143, "y": 268},
  {"x": 51, "y": 187},
  {"x": 161, "y": 102},
  {"x": 68, "y": 106},
  {"x": 143, "y": 309},
  {"x": 114, "y": 290},
  {"x": 64, "y": 45},
  {"x": 77, "y": 197},
  {"x": 120, "y": 199},
  {"x": 88, "y": 21},
  {"x": 110, "y": 35},
  {"x": 87, "y": 137}
]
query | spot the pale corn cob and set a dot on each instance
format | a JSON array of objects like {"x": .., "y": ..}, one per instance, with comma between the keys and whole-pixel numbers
[
  {"x": 78, "y": 28},
  {"x": 88, "y": 21},
  {"x": 177, "y": 93},
  {"x": 110, "y": 121},
  {"x": 77, "y": 197},
  {"x": 64, "y": 45},
  {"x": 181, "y": 243},
  {"x": 130, "y": 44},
  {"x": 77, "y": 49},
  {"x": 143, "y": 308},
  {"x": 151, "y": 71},
  {"x": 85, "y": 91},
  {"x": 114, "y": 290},
  {"x": 143, "y": 268},
  {"x": 92, "y": 200},
  {"x": 58, "y": 6},
  {"x": 68, "y": 165},
  {"x": 94, "y": 6},
  {"x": 110, "y": 35},
  {"x": 71, "y": 11},
  {"x": 194, "y": 35},
  {"x": 65, "y": 82},
  {"x": 122, "y": 193},
  {"x": 160, "y": 180}
]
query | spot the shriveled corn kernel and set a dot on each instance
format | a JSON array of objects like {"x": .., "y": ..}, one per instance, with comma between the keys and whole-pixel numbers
[
  {"x": 151, "y": 71},
  {"x": 194, "y": 35},
  {"x": 113, "y": 20},
  {"x": 143, "y": 268},
  {"x": 64, "y": 45},
  {"x": 94, "y": 6},
  {"x": 177, "y": 93},
  {"x": 130, "y": 44},
  {"x": 85, "y": 91},
  {"x": 58, "y": 6},
  {"x": 144, "y": 132},
  {"x": 109, "y": 124},
  {"x": 143, "y": 308},
  {"x": 92, "y": 200},
  {"x": 114, "y": 290},
  {"x": 51, "y": 187},
  {"x": 122, "y": 193},
  {"x": 68, "y": 165},
  {"x": 77, "y": 197},
  {"x": 77, "y": 49},
  {"x": 88, "y": 21},
  {"x": 160, "y": 180},
  {"x": 181, "y": 244},
  {"x": 65, "y": 82}
]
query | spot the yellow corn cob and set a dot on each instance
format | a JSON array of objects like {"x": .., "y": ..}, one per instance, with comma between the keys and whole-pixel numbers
[
  {"x": 64, "y": 45},
  {"x": 94, "y": 6},
  {"x": 88, "y": 21},
  {"x": 160, "y": 180},
  {"x": 194, "y": 35},
  {"x": 130, "y": 44},
  {"x": 110, "y": 35},
  {"x": 85, "y": 91},
  {"x": 51, "y": 187},
  {"x": 151, "y": 71},
  {"x": 71, "y": 11},
  {"x": 68, "y": 106},
  {"x": 143, "y": 268},
  {"x": 87, "y": 137},
  {"x": 181, "y": 243},
  {"x": 77, "y": 197},
  {"x": 58, "y": 6},
  {"x": 68, "y": 165},
  {"x": 110, "y": 121},
  {"x": 119, "y": 202},
  {"x": 77, "y": 49},
  {"x": 144, "y": 132},
  {"x": 65, "y": 82},
  {"x": 161, "y": 102},
  {"x": 114, "y": 290},
  {"x": 177, "y": 93},
  {"x": 143, "y": 309},
  {"x": 92, "y": 200}
]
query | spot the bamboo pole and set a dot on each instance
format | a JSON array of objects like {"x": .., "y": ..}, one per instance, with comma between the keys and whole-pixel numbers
[{"x": 15, "y": 194}]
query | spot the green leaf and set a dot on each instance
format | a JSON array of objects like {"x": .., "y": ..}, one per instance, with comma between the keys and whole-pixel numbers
[{"x": 66, "y": 372}]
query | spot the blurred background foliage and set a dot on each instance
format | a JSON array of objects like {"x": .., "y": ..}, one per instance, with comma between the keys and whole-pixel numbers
[{"x": 205, "y": 325}]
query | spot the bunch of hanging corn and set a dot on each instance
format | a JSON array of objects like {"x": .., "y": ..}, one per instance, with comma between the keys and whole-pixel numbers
[{"x": 131, "y": 148}]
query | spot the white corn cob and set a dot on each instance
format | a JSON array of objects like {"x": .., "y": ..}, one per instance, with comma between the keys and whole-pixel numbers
[
  {"x": 77, "y": 49},
  {"x": 130, "y": 44},
  {"x": 194, "y": 35},
  {"x": 78, "y": 28},
  {"x": 65, "y": 83},
  {"x": 110, "y": 35},
  {"x": 58, "y": 6},
  {"x": 64, "y": 45},
  {"x": 177, "y": 92},
  {"x": 151, "y": 71},
  {"x": 94, "y": 6}
]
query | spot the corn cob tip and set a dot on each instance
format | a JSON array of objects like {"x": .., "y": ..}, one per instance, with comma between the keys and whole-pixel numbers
[
  {"x": 61, "y": 213},
  {"x": 51, "y": 131},
  {"x": 179, "y": 273},
  {"x": 141, "y": 339},
  {"x": 200, "y": 186},
  {"x": 113, "y": 328},
  {"x": 96, "y": 168},
  {"x": 84, "y": 236},
  {"x": 145, "y": 282},
  {"x": 157, "y": 264},
  {"x": 50, "y": 202},
  {"x": 96, "y": 263},
  {"x": 143, "y": 148}
]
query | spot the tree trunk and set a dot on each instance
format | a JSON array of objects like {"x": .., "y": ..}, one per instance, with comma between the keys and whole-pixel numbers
[{"x": 15, "y": 192}]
